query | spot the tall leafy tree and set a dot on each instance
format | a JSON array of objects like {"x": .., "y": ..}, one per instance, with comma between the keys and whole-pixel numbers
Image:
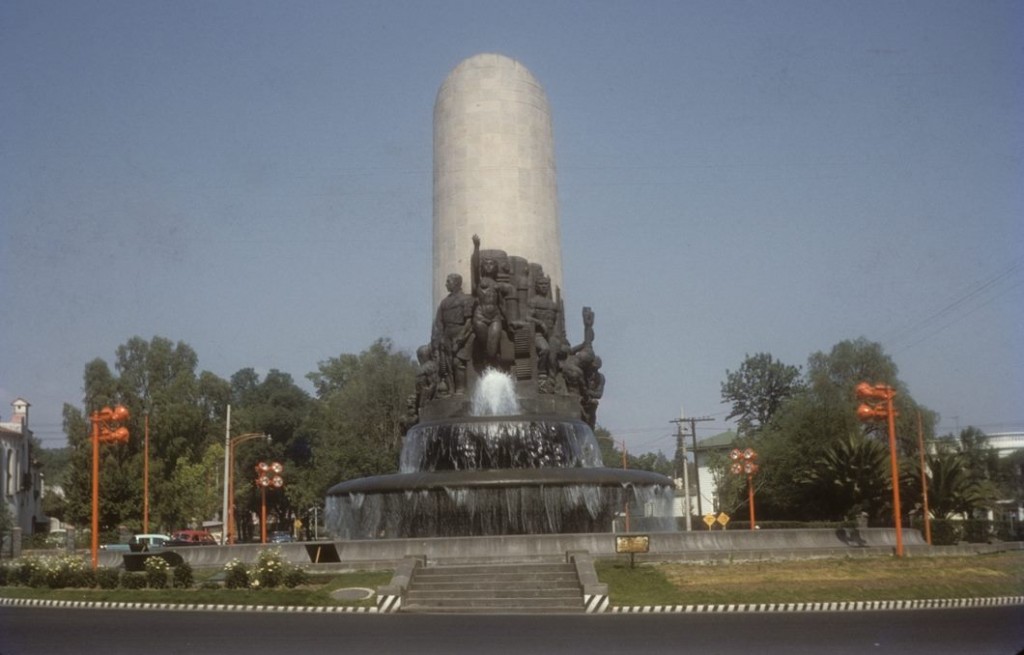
[
  {"x": 808, "y": 430},
  {"x": 758, "y": 389},
  {"x": 356, "y": 427},
  {"x": 157, "y": 381},
  {"x": 277, "y": 407}
]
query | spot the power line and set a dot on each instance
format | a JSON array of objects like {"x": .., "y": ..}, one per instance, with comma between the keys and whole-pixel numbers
[{"x": 950, "y": 314}]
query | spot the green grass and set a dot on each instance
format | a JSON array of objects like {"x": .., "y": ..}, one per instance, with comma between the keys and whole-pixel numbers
[
  {"x": 317, "y": 593},
  {"x": 671, "y": 583},
  {"x": 826, "y": 580}
]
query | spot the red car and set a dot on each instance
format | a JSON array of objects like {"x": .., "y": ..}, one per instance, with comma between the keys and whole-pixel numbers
[{"x": 192, "y": 538}]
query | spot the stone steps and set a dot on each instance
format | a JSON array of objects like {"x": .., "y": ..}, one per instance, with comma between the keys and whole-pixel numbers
[{"x": 505, "y": 589}]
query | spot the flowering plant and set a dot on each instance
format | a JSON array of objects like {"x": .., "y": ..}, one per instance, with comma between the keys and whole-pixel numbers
[
  {"x": 237, "y": 575},
  {"x": 269, "y": 570},
  {"x": 156, "y": 572}
]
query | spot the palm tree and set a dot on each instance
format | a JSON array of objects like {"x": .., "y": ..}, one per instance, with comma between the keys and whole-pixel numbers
[{"x": 850, "y": 477}]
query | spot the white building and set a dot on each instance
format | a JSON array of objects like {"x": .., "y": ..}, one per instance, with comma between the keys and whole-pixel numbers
[
  {"x": 21, "y": 481},
  {"x": 709, "y": 451},
  {"x": 1005, "y": 443}
]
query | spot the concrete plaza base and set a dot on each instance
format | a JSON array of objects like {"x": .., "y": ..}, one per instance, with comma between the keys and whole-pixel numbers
[{"x": 664, "y": 546}]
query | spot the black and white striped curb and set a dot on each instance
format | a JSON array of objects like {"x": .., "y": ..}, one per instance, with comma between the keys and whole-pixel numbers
[
  {"x": 595, "y": 603},
  {"x": 389, "y": 604},
  {"x": 851, "y": 606},
  {"x": 186, "y": 607}
]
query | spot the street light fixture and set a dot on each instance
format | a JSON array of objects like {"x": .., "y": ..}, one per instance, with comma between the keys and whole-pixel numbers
[
  {"x": 105, "y": 429},
  {"x": 267, "y": 475},
  {"x": 229, "y": 482},
  {"x": 743, "y": 463},
  {"x": 882, "y": 409}
]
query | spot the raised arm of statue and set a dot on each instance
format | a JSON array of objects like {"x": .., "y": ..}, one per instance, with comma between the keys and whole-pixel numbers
[{"x": 474, "y": 266}]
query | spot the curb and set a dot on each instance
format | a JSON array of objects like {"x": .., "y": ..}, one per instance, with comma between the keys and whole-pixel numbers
[
  {"x": 185, "y": 607},
  {"x": 858, "y": 606},
  {"x": 852, "y": 606}
]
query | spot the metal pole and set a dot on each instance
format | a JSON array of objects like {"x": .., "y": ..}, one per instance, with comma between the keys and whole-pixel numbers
[
  {"x": 145, "y": 479},
  {"x": 891, "y": 412},
  {"x": 263, "y": 515},
  {"x": 625, "y": 465},
  {"x": 696, "y": 469},
  {"x": 686, "y": 483},
  {"x": 227, "y": 469},
  {"x": 231, "y": 494},
  {"x": 924, "y": 483},
  {"x": 95, "y": 489},
  {"x": 750, "y": 494}
]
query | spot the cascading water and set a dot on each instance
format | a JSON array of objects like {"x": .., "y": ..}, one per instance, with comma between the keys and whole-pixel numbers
[{"x": 495, "y": 395}]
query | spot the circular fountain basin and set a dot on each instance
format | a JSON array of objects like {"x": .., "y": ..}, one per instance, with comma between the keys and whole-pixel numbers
[
  {"x": 489, "y": 502},
  {"x": 498, "y": 478}
]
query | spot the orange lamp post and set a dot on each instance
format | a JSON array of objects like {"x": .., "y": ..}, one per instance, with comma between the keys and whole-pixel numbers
[
  {"x": 229, "y": 487},
  {"x": 882, "y": 409},
  {"x": 105, "y": 429},
  {"x": 743, "y": 463},
  {"x": 267, "y": 475}
]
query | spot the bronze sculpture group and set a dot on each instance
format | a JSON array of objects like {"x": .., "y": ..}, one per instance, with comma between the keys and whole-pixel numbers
[{"x": 512, "y": 321}]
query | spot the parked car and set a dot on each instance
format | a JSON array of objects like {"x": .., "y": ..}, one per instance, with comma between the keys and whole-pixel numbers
[
  {"x": 192, "y": 538},
  {"x": 143, "y": 542},
  {"x": 280, "y": 538}
]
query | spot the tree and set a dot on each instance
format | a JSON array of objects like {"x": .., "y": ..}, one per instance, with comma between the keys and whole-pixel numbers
[
  {"x": 155, "y": 379},
  {"x": 963, "y": 475},
  {"x": 195, "y": 489},
  {"x": 758, "y": 389},
  {"x": 611, "y": 454},
  {"x": 654, "y": 462},
  {"x": 356, "y": 427},
  {"x": 809, "y": 428},
  {"x": 851, "y": 476},
  {"x": 275, "y": 406}
]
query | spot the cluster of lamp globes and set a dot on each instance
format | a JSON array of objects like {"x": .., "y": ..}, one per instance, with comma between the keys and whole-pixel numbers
[
  {"x": 743, "y": 461},
  {"x": 269, "y": 475},
  {"x": 104, "y": 420}
]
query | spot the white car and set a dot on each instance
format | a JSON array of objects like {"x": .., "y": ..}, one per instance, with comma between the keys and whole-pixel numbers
[{"x": 143, "y": 542}]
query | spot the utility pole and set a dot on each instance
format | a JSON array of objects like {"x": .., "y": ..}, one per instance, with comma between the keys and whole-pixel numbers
[
  {"x": 696, "y": 470},
  {"x": 681, "y": 453}
]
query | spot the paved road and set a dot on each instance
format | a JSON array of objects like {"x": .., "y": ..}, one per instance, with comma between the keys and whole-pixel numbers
[{"x": 30, "y": 631}]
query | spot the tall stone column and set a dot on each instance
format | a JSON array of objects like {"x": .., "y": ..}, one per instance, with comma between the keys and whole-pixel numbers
[{"x": 494, "y": 169}]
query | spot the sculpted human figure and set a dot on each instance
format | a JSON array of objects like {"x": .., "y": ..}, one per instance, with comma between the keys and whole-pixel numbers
[
  {"x": 488, "y": 316},
  {"x": 543, "y": 313},
  {"x": 426, "y": 376},
  {"x": 593, "y": 389},
  {"x": 451, "y": 334}
]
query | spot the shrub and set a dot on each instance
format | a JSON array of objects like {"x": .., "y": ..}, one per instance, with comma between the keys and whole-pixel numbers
[
  {"x": 108, "y": 578},
  {"x": 182, "y": 576},
  {"x": 67, "y": 571},
  {"x": 133, "y": 580},
  {"x": 5, "y": 575},
  {"x": 295, "y": 576},
  {"x": 269, "y": 570},
  {"x": 30, "y": 572},
  {"x": 946, "y": 532},
  {"x": 156, "y": 572},
  {"x": 977, "y": 531},
  {"x": 237, "y": 575}
]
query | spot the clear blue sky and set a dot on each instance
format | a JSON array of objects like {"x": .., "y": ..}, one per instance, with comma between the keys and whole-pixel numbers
[{"x": 254, "y": 179}]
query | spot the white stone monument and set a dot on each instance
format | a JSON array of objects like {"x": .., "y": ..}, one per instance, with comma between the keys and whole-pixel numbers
[{"x": 494, "y": 169}]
